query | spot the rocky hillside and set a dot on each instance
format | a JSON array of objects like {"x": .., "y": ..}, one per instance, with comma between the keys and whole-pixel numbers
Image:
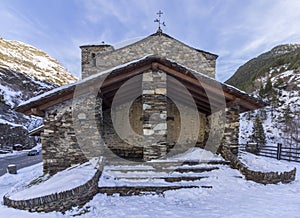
[
  {"x": 246, "y": 76},
  {"x": 26, "y": 59},
  {"x": 24, "y": 73},
  {"x": 275, "y": 77}
]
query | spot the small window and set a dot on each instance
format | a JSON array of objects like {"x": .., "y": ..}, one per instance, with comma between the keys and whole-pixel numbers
[{"x": 94, "y": 59}]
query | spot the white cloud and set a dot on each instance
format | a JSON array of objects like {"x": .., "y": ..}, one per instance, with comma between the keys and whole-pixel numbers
[
  {"x": 256, "y": 27},
  {"x": 15, "y": 24},
  {"x": 236, "y": 30}
]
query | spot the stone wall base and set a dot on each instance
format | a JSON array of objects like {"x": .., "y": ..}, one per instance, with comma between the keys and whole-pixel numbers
[
  {"x": 62, "y": 201},
  {"x": 257, "y": 176}
]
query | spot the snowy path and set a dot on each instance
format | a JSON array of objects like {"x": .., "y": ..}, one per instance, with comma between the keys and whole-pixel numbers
[{"x": 229, "y": 197}]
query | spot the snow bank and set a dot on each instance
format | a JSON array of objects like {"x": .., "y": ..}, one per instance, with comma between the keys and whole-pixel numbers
[
  {"x": 264, "y": 164},
  {"x": 62, "y": 181},
  {"x": 196, "y": 154},
  {"x": 13, "y": 182}
]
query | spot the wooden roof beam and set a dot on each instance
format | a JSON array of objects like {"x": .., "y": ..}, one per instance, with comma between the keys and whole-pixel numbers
[
  {"x": 124, "y": 76},
  {"x": 202, "y": 100},
  {"x": 194, "y": 81},
  {"x": 182, "y": 99},
  {"x": 37, "y": 112}
]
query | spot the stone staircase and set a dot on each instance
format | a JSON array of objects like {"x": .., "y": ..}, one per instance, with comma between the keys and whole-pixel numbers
[{"x": 155, "y": 177}]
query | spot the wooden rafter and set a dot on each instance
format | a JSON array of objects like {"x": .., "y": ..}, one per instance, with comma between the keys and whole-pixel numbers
[{"x": 110, "y": 82}]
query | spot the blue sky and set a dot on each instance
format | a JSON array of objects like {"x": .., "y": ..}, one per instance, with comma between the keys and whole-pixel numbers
[{"x": 236, "y": 30}]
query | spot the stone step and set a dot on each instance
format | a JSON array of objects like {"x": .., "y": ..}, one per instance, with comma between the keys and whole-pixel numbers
[
  {"x": 138, "y": 190},
  {"x": 196, "y": 170},
  {"x": 167, "y": 163},
  {"x": 155, "y": 177},
  {"x": 170, "y": 179},
  {"x": 141, "y": 170},
  {"x": 211, "y": 162}
]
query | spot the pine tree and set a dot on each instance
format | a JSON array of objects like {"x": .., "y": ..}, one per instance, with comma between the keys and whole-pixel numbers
[
  {"x": 269, "y": 86},
  {"x": 287, "y": 114},
  {"x": 267, "y": 90},
  {"x": 2, "y": 98},
  {"x": 261, "y": 92},
  {"x": 258, "y": 132},
  {"x": 263, "y": 114}
]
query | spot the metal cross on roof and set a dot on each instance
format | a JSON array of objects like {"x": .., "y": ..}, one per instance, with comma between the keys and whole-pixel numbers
[{"x": 157, "y": 20}]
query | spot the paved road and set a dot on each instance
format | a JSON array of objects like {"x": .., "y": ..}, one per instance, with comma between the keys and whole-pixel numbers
[{"x": 20, "y": 160}]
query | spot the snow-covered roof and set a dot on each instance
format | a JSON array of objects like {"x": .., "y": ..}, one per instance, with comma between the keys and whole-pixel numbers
[
  {"x": 37, "y": 131},
  {"x": 37, "y": 101},
  {"x": 72, "y": 85}
]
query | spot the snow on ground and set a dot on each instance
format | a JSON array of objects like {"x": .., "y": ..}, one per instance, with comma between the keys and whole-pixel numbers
[
  {"x": 11, "y": 96},
  {"x": 196, "y": 154},
  {"x": 231, "y": 196},
  {"x": 287, "y": 97},
  {"x": 259, "y": 163},
  {"x": 2, "y": 121},
  {"x": 14, "y": 153},
  {"x": 62, "y": 181},
  {"x": 10, "y": 182}
]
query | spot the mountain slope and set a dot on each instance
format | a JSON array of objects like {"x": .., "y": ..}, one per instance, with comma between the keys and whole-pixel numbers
[
  {"x": 17, "y": 87},
  {"x": 245, "y": 77},
  {"x": 26, "y": 59},
  {"x": 275, "y": 77},
  {"x": 25, "y": 72}
]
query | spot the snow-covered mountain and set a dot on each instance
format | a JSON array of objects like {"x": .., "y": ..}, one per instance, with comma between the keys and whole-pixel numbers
[
  {"x": 281, "y": 118},
  {"x": 25, "y": 72},
  {"x": 275, "y": 77},
  {"x": 16, "y": 87},
  {"x": 26, "y": 59}
]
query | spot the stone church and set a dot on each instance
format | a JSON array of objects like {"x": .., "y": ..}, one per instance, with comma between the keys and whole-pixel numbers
[{"x": 148, "y": 100}]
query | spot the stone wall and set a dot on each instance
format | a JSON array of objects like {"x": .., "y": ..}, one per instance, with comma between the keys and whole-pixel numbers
[
  {"x": 231, "y": 130},
  {"x": 87, "y": 123},
  {"x": 215, "y": 131},
  {"x": 78, "y": 130},
  {"x": 61, "y": 201},
  {"x": 112, "y": 140},
  {"x": 223, "y": 129},
  {"x": 154, "y": 114},
  {"x": 99, "y": 58},
  {"x": 132, "y": 148},
  {"x": 71, "y": 134},
  {"x": 257, "y": 176},
  {"x": 136, "y": 116},
  {"x": 175, "y": 125},
  {"x": 89, "y": 54}
]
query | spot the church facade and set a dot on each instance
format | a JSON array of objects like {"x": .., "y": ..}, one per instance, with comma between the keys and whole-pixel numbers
[{"x": 148, "y": 100}]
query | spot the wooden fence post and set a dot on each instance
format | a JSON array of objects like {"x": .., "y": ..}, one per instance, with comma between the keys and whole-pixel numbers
[{"x": 279, "y": 147}]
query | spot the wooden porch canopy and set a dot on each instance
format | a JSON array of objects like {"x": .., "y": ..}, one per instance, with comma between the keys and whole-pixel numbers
[{"x": 108, "y": 82}]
